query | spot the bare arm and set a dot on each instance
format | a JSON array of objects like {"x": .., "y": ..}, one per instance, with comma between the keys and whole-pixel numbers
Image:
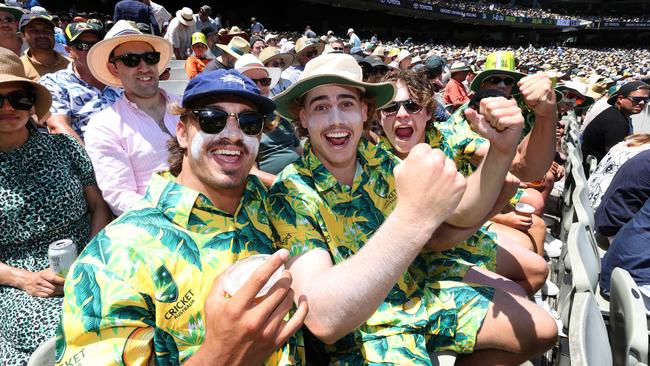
[
  {"x": 266, "y": 178},
  {"x": 343, "y": 296},
  {"x": 100, "y": 214},
  {"x": 60, "y": 123}
]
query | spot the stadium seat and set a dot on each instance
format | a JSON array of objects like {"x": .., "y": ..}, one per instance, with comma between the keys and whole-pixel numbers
[
  {"x": 176, "y": 64},
  {"x": 44, "y": 354},
  {"x": 178, "y": 74},
  {"x": 176, "y": 87},
  {"x": 627, "y": 320},
  {"x": 445, "y": 358},
  {"x": 585, "y": 262},
  {"x": 588, "y": 342}
]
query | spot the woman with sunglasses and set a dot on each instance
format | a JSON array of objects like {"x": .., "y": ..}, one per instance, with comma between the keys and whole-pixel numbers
[
  {"x": 47, "y": 193},
  {"x": 406, "y": 122}
]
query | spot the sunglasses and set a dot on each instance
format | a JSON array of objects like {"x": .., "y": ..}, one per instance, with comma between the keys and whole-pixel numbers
[
  {"x": 311, "y": 54},
  {"x": 278, "y": 64},
  {"x": 410, "y": 106},
  {"x": 133, "y": 59},
  {"x": 83, "y": 45},
  {"x": 337, "y": 48},
  {"x": 7, "y": 19},
  {"x": 262, "y": 81},
  {"x": 213, "y": 120},
  {"x": 498, "y": 79},
  {"x": 638, "y": 100},
  {"x": 18, "y": 100}
]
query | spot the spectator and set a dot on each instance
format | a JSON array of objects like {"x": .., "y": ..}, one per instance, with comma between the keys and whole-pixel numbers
[
  {"x": 161, "y": 14},
  {"x": 612, "y": 125},
  {"x": 203, "y": 20},
  {"x": 126, "y": 142},
  {"x": 195, "y": 64},
  {"x": 628, "y": 191},
  {"x": 137, "y": 11},
  {"x": 175, "y": 277},
  {"x": 340, "y": 209},
  {"x": 272, "y": 57},
  {"x": 309, "y": 33},
  {"x": 271, "y": 40},
  {"x": 305, "y": 50},
  {"x": 9, "y": 37},
  {"x": 231, "y": 52},
  {"x": 354, "y": 39},
  {"x": 40, "y": 58},
  {"x": 257, "y": 45},
  {"x": 76, "y": 93},
  {"x": 256, "y": 27},
  {"x": 455, "y": 93},
  {"x": 49, "y": 193},
  {"x": 179, "y": 33}
]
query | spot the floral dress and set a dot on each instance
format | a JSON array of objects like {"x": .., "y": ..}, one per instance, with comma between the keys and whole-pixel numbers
[{"x": 41, "y": 201}]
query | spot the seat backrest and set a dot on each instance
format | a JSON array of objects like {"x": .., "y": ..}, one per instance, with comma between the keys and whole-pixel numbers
[
  {"x": 176, "y": 64},
  {"x": 585, "y": 262},
  {"x": 583, "y": 210},
  {"x": 627, "y": 320},
  {"x": 444, "y": 358},
  {"x": 44, "y": 354},
  {"x": 176, "y": 87},
  {"x": 588, "y": 342},
  {"x": 178, "y": 74}
]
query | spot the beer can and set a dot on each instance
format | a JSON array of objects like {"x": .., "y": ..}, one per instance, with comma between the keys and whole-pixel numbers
[{"x": 62, "y": 254}]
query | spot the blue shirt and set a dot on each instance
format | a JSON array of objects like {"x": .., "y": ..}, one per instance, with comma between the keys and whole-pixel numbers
[
  {"x": 630, "y": 250},
  {"x": 257, "y": 27},
  {"x": 625, "y": 195},
  {"x": 136, "y": 11},
  {"x": 77, "y": 99}
]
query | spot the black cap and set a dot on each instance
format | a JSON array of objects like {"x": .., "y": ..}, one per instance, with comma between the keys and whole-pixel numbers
[{"x": 626, "y": 89}]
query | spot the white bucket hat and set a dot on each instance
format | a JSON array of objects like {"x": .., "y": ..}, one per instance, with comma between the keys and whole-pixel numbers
[{"x": 250, "y": 62}]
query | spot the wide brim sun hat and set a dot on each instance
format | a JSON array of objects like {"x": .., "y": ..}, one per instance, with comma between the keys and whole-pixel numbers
[
  {"x": 332, "y": 68},
  {"x": 12, "y": 70}
]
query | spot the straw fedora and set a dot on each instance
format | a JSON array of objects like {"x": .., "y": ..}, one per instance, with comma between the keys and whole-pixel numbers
[
  {"x": 303, "y": 43},
  {"x": 11, "y": 69},
  {"x": 250, "y": 62},
  {"x": 498, "y": 63},
  {"x": 332, "y": 68},
  {"x": 123, "y": 31},
  {"x": 186, "y": 16},
  {"x": 237, "y": 47},
  {"x": 270, "y": 54},
  {"x": 459, "y": 66}
]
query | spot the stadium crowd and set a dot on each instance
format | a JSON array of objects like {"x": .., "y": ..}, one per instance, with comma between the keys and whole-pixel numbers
[{"x": 397, "y": 188}]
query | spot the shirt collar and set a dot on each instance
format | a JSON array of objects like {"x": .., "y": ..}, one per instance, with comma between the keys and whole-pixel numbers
[
  {"x": 177, "y": 201},
  {"x": 368, "y": 155}
]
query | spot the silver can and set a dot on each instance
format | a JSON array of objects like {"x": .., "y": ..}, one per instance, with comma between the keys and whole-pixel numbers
[{"x": 62, "y": 254}]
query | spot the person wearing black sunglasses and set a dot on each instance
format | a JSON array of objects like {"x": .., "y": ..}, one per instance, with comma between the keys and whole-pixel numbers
[
  {"x": 76, "y": 93},
  {"x": 9, "y": 37}
]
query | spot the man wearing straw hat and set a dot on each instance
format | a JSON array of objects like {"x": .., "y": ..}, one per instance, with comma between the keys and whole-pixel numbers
[
  {"x": 236, "y": 48},
  {"x": 359, "y": 225},
  {"x": 127, "y": 141},
  {"x": 305, "y": 49},
  {"x": 179, "y": 33},
  {"x": 455, "y": 93},
  {"x": 272, "y": 57}
]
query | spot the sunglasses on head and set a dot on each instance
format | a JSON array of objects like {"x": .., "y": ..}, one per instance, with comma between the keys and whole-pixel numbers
[
  {"x": 262, "y": 81},
  {"x": 83, "y": 45},
  {"x": 133, "y": 59},
  {"x": 409, "y": 106},
  {"x": 507, "y": 80},
  {"x": 638, "y": 100},
  {"x": 18, "y": 100},
  {"x": 213, "y": 120},
  {"x": 7, "y": 19}
]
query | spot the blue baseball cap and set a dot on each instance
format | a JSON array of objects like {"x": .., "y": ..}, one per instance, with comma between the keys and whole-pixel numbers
[{"x": 225, "y": 82}]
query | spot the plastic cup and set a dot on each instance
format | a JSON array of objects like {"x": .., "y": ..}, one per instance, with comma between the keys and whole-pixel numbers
[
  {"x": 243, "y": 269},
  {"x": 524, "y": 209}
]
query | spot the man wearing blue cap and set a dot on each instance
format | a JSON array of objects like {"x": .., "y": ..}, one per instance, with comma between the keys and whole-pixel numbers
[{"x": 154, "y": 285}]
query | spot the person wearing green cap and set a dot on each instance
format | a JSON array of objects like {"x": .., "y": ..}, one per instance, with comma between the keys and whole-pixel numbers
[
  {"x": 360, "y": 227},
  {"x": 195, "y": 64}
]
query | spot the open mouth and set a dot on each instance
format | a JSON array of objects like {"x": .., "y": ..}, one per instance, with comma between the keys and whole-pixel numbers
[
  {"x": 226, "y": 155},
  {"x": 404, "y": 132},
  {"x": 338, "y": 138}
]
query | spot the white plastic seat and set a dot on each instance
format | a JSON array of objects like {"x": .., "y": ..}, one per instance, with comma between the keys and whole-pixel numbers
[
  {"x": 176, "y": 87},
  {"x": 585, "y": 262},
  {"x": 176, "y": 64},
  {"x": 627, "y": 320},
  {"x": 445, "y": 358},
  {"x": 588, "y": 342},
  {"x": 44, "y": 354},
  {"x": 178, "y": 74}
]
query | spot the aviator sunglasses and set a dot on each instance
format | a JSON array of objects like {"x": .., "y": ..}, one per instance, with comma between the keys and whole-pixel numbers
[
  {"x": 133, "y": 59},
  {"x": 213, "y": 120},
  {"x": 410, "y": 106},
  {"x": 18, "y": 100}
]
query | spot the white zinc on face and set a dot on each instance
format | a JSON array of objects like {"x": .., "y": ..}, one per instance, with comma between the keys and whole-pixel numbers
[{"x": 202, "y": 140}]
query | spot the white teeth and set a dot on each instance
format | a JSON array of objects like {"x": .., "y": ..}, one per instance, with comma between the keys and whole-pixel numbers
[
  {"x": 337, "y": 135},
  {"x": 145, "y": 79},
  {"x": 227, "y": 152},
  {"x": 402, "y": 126}
]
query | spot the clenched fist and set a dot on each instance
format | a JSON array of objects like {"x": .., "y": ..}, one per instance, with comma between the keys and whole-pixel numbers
[
  {"x": 498, "y": 120},
  {"x": 537, "y": 91}
]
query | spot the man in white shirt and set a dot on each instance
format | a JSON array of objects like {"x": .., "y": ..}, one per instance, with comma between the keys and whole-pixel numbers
[
  {"x": 160, "y": 13},
  {"x": 128, "y": 141},
  {"x": 179, "y": 33}
]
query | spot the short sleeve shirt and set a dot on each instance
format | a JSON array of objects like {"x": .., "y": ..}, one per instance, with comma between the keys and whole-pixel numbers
[
  {"x": 73, "y": 97},
  {"x": 136, "y": 294}
]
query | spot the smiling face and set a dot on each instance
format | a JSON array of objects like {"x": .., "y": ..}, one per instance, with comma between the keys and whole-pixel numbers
[
  {"x": 141, "y": 80},
  {"x": 404, "y": 130},
  {"x": 334, "y": 116},
  {"x": 8, "y": 23},
  {"x": 39, "y": 34},
  {"x": 13, "y": 120},
  {"x": 222, "y": 160}
]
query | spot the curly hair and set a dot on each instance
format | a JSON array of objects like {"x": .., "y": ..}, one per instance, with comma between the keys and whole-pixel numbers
[
  {"x": 420, "y": 88},
  {"x": 298, "y": 103}
]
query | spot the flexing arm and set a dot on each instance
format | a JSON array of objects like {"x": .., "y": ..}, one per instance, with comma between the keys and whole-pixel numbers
[{"x": 343, "y": 296}]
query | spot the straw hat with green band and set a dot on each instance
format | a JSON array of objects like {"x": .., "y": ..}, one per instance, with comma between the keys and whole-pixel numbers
[
  {"x": 498, "y": 63},
  {"x": 332, "y": 68},
  {"x": 237, "y": 47}
]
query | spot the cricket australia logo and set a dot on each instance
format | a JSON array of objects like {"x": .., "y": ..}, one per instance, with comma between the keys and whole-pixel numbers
[{"x": 233, "y": 79}]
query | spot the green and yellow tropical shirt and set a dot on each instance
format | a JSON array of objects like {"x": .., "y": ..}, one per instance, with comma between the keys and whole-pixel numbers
[
  {"x": 136, "y": 294},
  {"x": 310, "y": 209}
]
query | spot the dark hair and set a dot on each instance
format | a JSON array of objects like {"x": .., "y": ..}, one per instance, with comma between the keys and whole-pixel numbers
[{"x": 420, "y": 88}]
